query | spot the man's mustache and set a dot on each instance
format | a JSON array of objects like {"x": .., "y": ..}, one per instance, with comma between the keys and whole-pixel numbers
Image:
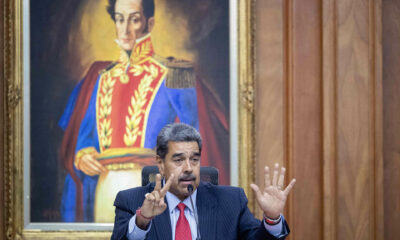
[{"x": 187, "y": 177}]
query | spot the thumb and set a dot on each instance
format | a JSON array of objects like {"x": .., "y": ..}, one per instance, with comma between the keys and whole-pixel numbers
[{"x": 256, "y": 191}]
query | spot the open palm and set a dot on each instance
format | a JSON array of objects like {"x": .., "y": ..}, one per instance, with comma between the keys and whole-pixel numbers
[{"x": 272, "y": 199}]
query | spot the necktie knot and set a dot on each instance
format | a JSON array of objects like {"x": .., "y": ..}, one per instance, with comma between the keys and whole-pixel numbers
[{"x": 181, "y": 207}]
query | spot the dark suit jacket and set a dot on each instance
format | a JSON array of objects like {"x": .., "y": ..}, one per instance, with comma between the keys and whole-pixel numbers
[{"x": 222, "y": 211}]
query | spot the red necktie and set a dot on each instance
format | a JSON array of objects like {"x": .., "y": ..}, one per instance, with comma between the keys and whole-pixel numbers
[{"x": 182, "y": 231}]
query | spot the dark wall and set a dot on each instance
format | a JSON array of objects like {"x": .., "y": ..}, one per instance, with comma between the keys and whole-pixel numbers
[{"x": 50, "y": 87}]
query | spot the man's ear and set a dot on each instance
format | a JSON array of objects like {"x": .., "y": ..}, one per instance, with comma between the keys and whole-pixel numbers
[
  {"x": 150, "y": 23},
  {"x": 160, "y": 165}
]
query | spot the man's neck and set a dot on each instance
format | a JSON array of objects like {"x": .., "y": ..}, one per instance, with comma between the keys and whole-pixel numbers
[{"x": 173, "y": 200}]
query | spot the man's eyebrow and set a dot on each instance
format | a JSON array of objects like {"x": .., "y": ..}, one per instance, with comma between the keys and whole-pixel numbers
[
  {"x": 196, "y": 154},
  {"x": 177, "y": 155},
  {"x": 134, "y": 13},
  {"x": 130, "y": 14}
]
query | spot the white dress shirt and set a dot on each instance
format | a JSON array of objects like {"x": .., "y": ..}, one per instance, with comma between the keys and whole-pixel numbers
[{"x": 135, "y": 233}]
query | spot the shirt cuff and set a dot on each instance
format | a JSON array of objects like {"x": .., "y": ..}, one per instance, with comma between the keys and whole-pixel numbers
[
  {"x": 135, "y": 232},
  {"x": 274, "y": 230}
]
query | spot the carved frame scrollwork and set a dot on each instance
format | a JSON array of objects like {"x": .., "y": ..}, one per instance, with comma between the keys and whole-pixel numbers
[
  {"x": 12, "y": 114},
  {"x": 246, "y": 97},
  {"x": 13, "y": 218}
]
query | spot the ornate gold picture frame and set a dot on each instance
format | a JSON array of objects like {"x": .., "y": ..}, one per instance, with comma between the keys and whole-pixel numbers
[{"x": 17, "y": 94}]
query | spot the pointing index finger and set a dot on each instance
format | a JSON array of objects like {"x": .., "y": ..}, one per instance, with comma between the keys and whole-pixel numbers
[
  {"x": 166, "y": 186},
  {"x": 158, "y": 182}
]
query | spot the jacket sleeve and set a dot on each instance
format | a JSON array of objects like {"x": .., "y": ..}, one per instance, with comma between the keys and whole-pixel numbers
[
  {"x": 126, "y": 203},
  {"x": 122, "y": 216}
]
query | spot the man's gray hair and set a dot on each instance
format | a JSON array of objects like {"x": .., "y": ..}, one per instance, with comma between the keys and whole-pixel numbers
[{"x": 176, "y": 132}]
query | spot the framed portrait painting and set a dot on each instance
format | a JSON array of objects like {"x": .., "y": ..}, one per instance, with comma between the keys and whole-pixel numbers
[{"x": 90, "y": 84}]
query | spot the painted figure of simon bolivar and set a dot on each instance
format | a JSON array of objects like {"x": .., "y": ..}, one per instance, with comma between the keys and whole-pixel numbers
[{"x": 116, "y": 112}]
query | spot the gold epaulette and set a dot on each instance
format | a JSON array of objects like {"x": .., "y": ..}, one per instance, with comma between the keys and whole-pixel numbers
[{"x": 180, "y": 72}]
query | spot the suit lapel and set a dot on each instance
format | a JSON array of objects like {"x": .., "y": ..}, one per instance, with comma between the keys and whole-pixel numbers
[{"x": 207, "y": 212}]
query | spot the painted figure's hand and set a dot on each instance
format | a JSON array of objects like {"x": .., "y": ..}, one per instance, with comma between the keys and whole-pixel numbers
[
  {"x": 272, "y": 200},
  {"x": 153, "y": 204},
  {"x": 90, "y": 166}
]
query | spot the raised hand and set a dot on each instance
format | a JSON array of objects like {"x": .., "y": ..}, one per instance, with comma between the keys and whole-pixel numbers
[
  {"x": 273, "y": 199},
  {"x": 154, "y": 204}
]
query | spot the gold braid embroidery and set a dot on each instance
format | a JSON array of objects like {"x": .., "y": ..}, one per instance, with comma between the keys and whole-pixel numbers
[
  {"x": 141, "y": 52},
  {"x": 138, "y": 101},
  {"x": 105, "y": 109}
]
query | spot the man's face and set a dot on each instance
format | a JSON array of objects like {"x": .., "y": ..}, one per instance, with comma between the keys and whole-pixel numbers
[
  {"x": 183, "y": 160},
  {"x": 130, "y": 23}
]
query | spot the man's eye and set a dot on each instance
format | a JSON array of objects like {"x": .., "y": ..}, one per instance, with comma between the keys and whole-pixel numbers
[
  {"x": 178, "y": 160},
  {"x": 135, "y": 20}
]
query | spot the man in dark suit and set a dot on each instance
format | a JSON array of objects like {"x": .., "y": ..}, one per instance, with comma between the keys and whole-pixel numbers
[{"x": 222, "y": 210}]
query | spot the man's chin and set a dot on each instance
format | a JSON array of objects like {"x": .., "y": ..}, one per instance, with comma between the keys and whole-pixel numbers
[
  {"x": 182, "y": 193},
  {"x": 127, "y": 48},
  {"x": 185, "y": 184},
  {"x": 125, "y": 45}
]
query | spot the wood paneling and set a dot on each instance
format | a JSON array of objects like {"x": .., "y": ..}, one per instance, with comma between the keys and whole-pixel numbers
[
  {"x": 305, "y": 117},
  {"x": 355, "y": 130},
  {"x": 329, "y": 130},
  {"x": 288, "y": 84},
  {"x": 329, "y": 94},
  {"x": 270, "y": 86},
  {"x": 391, "y": 117}
]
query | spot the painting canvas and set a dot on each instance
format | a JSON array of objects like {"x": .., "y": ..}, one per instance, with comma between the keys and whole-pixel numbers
[{"x": 92, "y": 97}]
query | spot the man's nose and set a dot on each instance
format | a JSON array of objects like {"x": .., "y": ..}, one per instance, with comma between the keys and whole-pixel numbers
[
  {"x": 125, "y": 27},
  {"x": 187, "y": 166}
]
